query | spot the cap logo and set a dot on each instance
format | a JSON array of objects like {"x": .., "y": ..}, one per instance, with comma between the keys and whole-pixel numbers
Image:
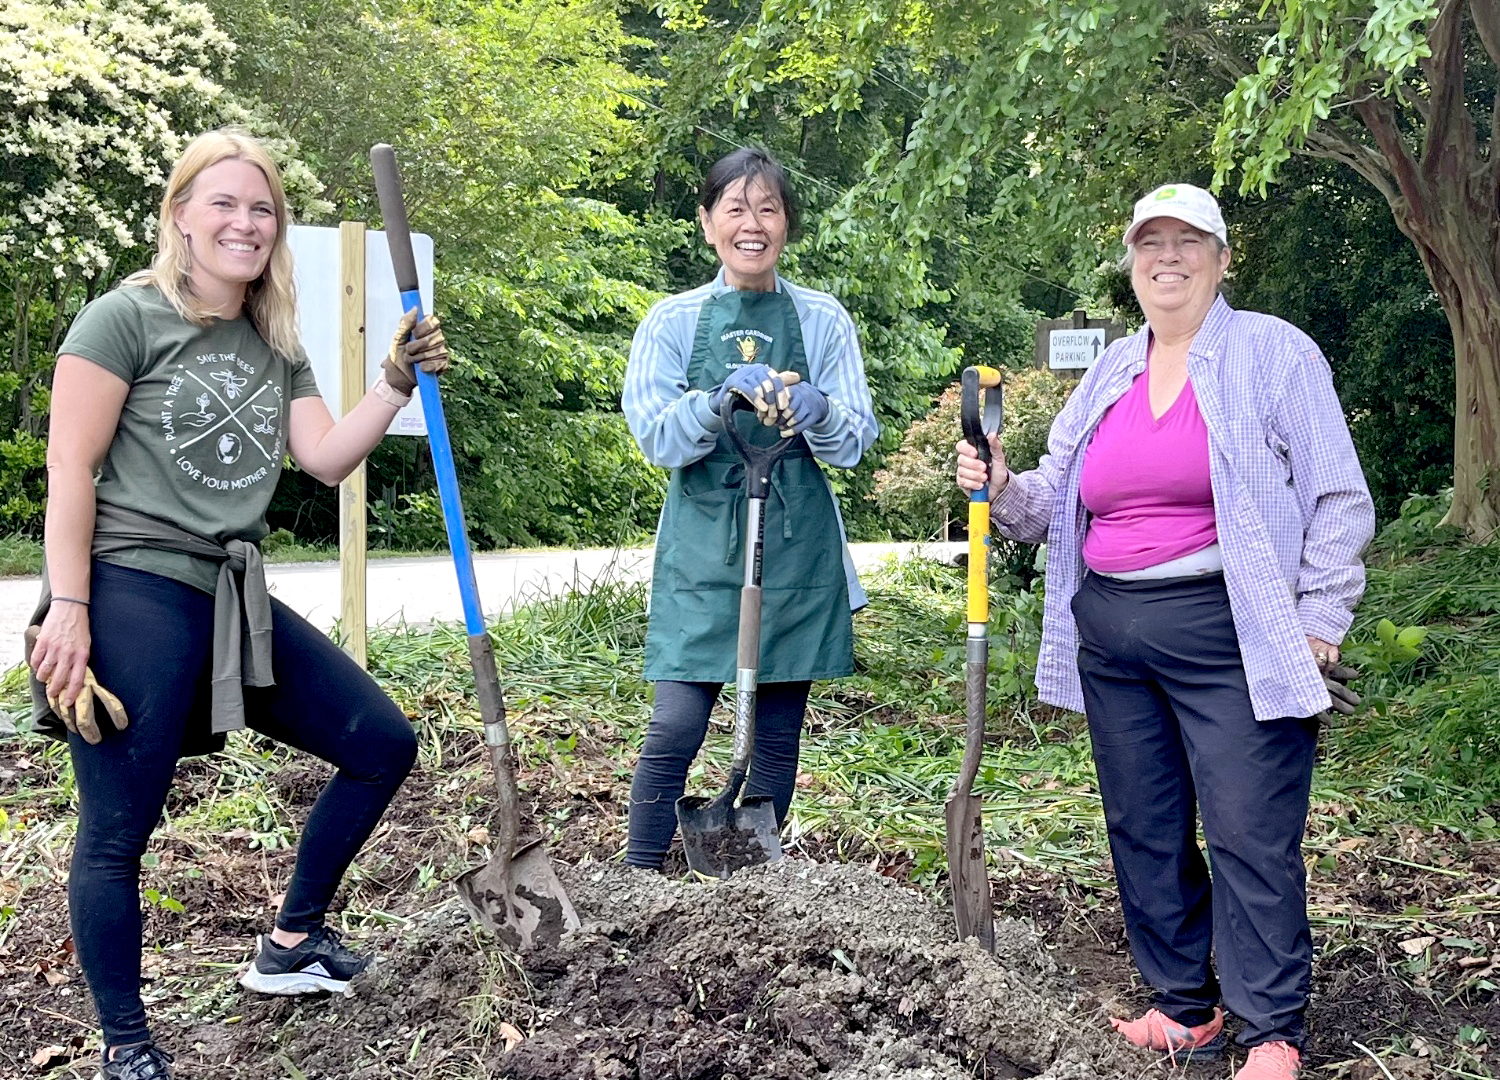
[{"x": 1166, "y": 193}]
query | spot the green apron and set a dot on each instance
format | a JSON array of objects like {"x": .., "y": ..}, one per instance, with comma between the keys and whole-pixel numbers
[{"x": 806, "y": 628}]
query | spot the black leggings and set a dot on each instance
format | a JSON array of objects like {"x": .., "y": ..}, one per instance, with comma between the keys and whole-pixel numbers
[
  {"x": 679, "y": 722},
  {"x": 151, "y": 647}
]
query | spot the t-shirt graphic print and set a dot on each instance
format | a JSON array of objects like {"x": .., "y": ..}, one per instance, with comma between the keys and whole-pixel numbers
[{"x": 202, "y": 434}]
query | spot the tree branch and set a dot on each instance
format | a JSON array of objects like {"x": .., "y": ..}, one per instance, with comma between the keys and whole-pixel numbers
[
  {"x": 1379, "y": 116},
  {"x": 1450, "y": 128},
  {"x": 1414, "y": 101},
  {"x": 1332, "y": 146},
  {"x": 1486, "y": 16},
  {"x": 1207, "y": 45}
]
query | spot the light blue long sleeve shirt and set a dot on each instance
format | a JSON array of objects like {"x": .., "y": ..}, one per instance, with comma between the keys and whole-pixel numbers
[
  {"x": 1290, "y": 501},
  {"x": 673, "y": 423}
]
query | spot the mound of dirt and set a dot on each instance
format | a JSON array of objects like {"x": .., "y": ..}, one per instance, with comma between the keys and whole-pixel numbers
[{"x": 786, "y": 971}]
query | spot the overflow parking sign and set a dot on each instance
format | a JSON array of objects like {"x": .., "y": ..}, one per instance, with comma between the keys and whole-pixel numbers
[{"x": 1074, "y": 349}]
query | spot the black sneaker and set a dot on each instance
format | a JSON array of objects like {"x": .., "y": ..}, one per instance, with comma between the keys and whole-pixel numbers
[
  {"x": 318, "y": 964},
  {"x": 143, "y": 1061}
]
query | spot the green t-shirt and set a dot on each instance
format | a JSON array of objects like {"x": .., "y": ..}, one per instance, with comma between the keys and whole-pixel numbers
[{"x": 203, "y": 431}]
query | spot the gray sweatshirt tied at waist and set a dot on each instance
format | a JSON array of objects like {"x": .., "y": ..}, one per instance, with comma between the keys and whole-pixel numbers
[{"x": 242, "y": 618}]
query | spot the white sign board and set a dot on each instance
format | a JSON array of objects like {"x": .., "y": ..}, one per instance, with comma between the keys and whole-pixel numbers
[
  {"x": 1073, "y": 349},
  {"x": 316, "y": 253}
]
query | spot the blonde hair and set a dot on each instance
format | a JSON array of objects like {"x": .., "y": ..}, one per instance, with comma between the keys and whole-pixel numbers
[{"x": 271, "y": 299}]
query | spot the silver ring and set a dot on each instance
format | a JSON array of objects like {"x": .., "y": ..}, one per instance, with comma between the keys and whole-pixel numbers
[{"x": 1321, "y": 657}]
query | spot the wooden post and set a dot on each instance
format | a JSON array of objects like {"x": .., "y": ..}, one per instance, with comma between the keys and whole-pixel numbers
[{"x": 353, "y": 541}]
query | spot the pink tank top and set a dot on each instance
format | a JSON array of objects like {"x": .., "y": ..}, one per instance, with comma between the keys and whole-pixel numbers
[{"x": 1146, "y": 483}]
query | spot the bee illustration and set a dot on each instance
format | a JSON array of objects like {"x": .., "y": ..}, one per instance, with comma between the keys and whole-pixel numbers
[{"x": 232, "y": 383}]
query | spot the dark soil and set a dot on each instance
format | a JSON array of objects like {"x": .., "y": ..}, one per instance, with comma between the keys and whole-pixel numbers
[{"x": 804, "y": 968}]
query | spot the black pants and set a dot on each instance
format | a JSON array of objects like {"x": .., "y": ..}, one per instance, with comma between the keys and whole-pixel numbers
[
  {"x": 1173, "y": 734},
  {"x": 679, "y": 722},
  {"x": 151, "y": 647}
]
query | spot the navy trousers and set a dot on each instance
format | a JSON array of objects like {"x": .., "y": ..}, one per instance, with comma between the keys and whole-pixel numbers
[
  {"x": 1174, "y": 738},
  {"x": 679, "y": 722},
  {"x": 151, "y": 647}
]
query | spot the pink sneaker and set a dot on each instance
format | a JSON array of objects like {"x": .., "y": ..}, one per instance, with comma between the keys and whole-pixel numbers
[
  {"x": 1158, "y": 1031},
  {"x": 1271, "y": 1061}
]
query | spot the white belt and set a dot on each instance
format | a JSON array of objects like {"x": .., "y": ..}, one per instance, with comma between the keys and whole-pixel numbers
[{"x": 1199, "y": 563}]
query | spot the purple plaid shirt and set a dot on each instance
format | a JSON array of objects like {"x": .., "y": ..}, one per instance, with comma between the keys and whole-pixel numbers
[{"x": 1290, "y": 502}]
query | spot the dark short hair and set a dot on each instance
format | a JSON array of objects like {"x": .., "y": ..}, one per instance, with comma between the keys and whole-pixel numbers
[{"x": 753, "y": 165}]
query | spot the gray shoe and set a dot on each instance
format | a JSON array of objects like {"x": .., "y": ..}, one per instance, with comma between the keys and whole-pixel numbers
[{"x": 143, "y": 1061}]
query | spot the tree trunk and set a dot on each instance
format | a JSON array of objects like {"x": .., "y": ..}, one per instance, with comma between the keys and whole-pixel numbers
[
  {"x": 1444, "y": 198},
  {"x": 1474, "y": 314},
  {"x": 1456, "y": 233}
]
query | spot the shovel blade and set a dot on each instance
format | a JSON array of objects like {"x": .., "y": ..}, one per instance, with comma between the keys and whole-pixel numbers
[
  {"x": 719, "y": 837},
  {"x": 972, "y": 909},
  {"x": 520, "y": 900}
]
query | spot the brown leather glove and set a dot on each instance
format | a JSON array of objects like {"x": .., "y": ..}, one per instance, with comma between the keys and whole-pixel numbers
[
  {"x": 415, "y": 344},
  {"x": 1344, "y": 700},
  {"x": 80, "y": 717}
]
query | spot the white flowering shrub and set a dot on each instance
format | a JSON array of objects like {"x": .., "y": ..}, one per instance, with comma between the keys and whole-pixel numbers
[{"x": 97, "y": 99}]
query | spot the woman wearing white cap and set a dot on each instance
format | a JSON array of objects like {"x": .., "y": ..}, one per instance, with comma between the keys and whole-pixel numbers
[{"x": 1205, "y": 513}]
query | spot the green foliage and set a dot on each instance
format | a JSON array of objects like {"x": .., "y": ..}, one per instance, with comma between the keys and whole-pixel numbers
[
  {"x": 20, "y": 556},
  {"x": 1427, "y": 640},
  {"x": 540, "y": 286},
  {"x": 916, "y": 489},
  {"x": 1317, "y": 58},
  {"x": 1372, "y": 311},
  {"x": 23, "y": 460}
]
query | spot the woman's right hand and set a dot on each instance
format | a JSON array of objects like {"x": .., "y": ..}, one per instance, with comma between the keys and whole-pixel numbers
[
  {"x": 61, "y": 653},
  {"x": 972, "y": 471}
]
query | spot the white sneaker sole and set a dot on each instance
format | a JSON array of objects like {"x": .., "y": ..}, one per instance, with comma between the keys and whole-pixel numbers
[{"x": 291, "y": 983}]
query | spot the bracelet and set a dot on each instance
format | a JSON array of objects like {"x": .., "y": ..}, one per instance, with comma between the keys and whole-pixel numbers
[
  {"x": 69, "y": 600},
  {"x": 389, "y": 394}
]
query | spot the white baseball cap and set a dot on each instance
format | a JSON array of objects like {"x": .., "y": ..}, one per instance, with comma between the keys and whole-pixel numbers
[{"x": 1185, "y": 203}]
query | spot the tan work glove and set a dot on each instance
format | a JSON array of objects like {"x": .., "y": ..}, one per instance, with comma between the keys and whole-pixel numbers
[
  {"x": 415, "y": 344},
  {"x": 80, "y": 718}
]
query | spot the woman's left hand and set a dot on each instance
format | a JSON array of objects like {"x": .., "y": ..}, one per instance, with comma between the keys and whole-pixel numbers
[
  {"x": 415, "y": 344},
  {"x": 1324, "y": 654},
  {"x": 807, "y": 406}
]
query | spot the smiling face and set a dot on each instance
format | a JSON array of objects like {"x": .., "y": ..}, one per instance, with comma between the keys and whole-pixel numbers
[
  {"x": 747, "y": 227},
  {"x": 229, "y": 222},
  {"x": 1177, "y": 270}
]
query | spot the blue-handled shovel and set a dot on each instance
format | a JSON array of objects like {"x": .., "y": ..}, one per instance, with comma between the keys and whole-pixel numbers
[{"x": 516, "y": 894}]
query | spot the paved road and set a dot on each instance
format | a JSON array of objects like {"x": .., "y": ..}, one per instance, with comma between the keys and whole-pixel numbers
[{"x": 422, "y": 591}]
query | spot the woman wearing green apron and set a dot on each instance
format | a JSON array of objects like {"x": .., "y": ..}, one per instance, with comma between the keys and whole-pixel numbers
[{"x": 730, "y": 335}]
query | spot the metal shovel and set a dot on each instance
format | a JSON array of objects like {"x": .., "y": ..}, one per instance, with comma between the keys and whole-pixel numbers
[
  {"x": 517, "y": 894},
  {"x": 718, "y": 836},
  {"x": 972, "y": 909}
]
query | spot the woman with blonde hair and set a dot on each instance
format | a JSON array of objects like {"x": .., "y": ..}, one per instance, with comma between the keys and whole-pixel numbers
[{"x": 174, "y": 401}]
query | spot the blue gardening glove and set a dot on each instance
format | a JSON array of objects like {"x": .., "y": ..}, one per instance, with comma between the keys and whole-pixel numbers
[
  {"x": 744, "y": 381},
  {"x": 807, "y": 406}
]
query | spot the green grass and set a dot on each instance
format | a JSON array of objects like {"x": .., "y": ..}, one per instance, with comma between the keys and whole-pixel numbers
[
  {"x": 884, "y": 744},
  {"x": 20, "y": 556}
]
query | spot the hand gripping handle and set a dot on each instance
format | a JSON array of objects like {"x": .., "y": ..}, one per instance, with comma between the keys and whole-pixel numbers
[{"x": 758, "y": 460}]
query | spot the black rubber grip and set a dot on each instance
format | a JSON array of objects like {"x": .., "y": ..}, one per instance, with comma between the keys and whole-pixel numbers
[{"x": 393, "y": 210}]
